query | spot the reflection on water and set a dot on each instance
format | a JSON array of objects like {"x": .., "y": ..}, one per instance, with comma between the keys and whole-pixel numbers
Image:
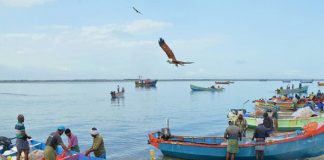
[{"x": 118, "y": 101}]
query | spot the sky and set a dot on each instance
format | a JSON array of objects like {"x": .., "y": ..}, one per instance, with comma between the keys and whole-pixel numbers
[{"x": 107, "y": 39}]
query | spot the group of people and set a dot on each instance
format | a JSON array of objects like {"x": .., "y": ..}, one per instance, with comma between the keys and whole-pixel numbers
[
  {"x": 54, "y": 140},
  {"x": 237, "y": 129}
]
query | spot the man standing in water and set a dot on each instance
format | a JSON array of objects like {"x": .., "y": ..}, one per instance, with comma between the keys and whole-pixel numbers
[
  {"x": 98, "y": 146},
  {"x": 232, "y": 134},
  {"x": 260, "y": 134},
  {"x": 21, "y": 135},
  {"x": 52, "y": 142}
]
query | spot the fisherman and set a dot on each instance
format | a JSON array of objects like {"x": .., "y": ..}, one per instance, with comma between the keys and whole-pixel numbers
[
  {"x": 98, "y": 146},
  {"x": 319, "y": 93},
  {"x": 123, "y": 89},
  {"x": 241, "y": 123},
  {"x": 53, "y": 140},
  {"x": 117, "y": 88},
  {"x": 275, "y": 109},
  {"x": 72, "y": 140},
  {"x": 260, "y": 133},
  {"x": 232, "y": 134},
  {"x": 267, "y": 122},
  {"x": 300, "y": 85},
  {"x": 292, "y": 86},
  {"x": 21, "y": 135}
]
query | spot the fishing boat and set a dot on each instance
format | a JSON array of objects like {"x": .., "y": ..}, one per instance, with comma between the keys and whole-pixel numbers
[
  {"x": 213, "y": 88},
  {"x": 288, "y": 124},
  {"x": 283, "y": 104},
  {"x": 320, "y": 83},
  {"x": 223, "y": 82},
  {"x": 145, "y": 83},
  {"x": 301, "y": 144},
  {"x": 11, "y": 152},
  {"x": 286, "y": 81},
  {"x": 115, "y": 94},
  {"x": 292, "y": 91},
  {"x": 306, "y": 81}
]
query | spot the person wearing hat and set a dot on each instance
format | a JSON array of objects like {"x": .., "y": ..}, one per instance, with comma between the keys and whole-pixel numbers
[
  {"x": 232, "y": 134},
  {"x": 260, "y": 133},
  {"x": 98, "y": 146},
  {"x": 21, "y": 137},
  {"x": 53, "y": 140}
]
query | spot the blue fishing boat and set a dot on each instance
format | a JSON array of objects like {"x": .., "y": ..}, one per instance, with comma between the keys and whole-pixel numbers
[
  {"x": 213, "y": 88},
  {"x": 293, "y": 145},
  {"x": 36, "y": 145},
  {"x": 292, "y": 91}
]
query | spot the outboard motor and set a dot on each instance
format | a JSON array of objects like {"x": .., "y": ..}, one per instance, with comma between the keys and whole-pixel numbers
[
  {"x": 5, "y": 142},
  {"x": 165, "y": 133}
]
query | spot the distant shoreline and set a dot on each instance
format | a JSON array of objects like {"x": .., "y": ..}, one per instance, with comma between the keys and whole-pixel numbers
[{"x": 128, "y": 80}]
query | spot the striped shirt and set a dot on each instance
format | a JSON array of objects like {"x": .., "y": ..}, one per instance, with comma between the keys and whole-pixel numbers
[{"x": 20, "y": 129}]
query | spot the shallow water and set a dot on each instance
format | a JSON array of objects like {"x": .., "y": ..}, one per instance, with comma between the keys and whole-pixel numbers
[{"x": 125, "y": 123}]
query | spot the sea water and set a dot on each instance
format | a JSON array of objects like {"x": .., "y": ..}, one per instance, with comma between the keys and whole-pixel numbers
[{"x": 125, "y": 123}]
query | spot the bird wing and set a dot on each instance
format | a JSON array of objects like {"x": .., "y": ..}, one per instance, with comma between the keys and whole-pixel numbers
[
  {"x": 137, "y": 10},
  {"x": 166, "y": 49}
]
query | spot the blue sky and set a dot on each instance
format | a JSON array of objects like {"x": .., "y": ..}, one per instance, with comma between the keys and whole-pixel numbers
[{"x": 76, "y": 39}]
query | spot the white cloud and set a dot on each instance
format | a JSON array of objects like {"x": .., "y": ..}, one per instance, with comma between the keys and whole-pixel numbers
[{"x": 23, "y": 3}]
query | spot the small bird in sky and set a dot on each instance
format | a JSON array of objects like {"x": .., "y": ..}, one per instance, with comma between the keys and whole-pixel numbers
[{"x": 136, "y": 10}]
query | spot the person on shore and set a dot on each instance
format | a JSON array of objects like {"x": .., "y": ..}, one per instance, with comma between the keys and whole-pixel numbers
[
  {"x": 98, "y": 146},
  {"x": 242, "y": 124},
  {"x": 232, "y": 134},
  {"x": 268, "y": 123},
  {"x": 275, "y": 109},
  {"x": 260, "y": 133},
  {"x": 21, "y": 137},
  {"x": 72, "y": 141},
  {"x": 53, "y": 140}
]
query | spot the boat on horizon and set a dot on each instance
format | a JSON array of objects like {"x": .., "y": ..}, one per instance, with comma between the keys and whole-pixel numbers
[
  {"x": 212, "y": 89},
  {"x": 320, "y": 83},
  {"x": 293, "y": 145},
  {"x": 145, "y": 83},
  {"x": 306, "y": 81},
  {"x": 223, "y": 82}
]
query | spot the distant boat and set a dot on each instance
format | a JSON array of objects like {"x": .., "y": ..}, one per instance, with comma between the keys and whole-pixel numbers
[
  {"x": 292, "y": 91},
  {"x": 288, "y": 146},
  {"x": 197, "y": 88},
  {"x": 263, "y": 80},
  {"x": 145, "y": 83},
  {"x": 286, "y": 81},
  {"x": 320, "y": 83},
  {"x": 223, "y": 82},
  {"x": 306, "y": 81},
  {"x": 117, "y": 94}
]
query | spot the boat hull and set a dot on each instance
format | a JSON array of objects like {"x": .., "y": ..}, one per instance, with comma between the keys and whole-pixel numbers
[
  {"x": 295, "y": 147},
  {"x": 293, "y": 91},
  {"x": 288, "y": 124},
  {"x": 143, "y": 83},
  {"x": 197, "y": 88}
]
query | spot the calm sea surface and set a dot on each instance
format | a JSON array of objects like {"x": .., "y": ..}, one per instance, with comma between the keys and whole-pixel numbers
[{"x": 125, "y": 123}]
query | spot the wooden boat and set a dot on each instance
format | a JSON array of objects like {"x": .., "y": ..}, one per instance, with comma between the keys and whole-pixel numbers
[
  {"x": 117, "y": 94},
  {"x": 286, "y": 81},
  {"x": 284, "y": 105},
  {"x": 289, "y": 146},
  {"x": 36, "y": 145},
  {"x": 292, "y": 91},
  {"x": 145, "y": 83},
  {"x": 306, "y": 81},
  {"x": 213, "y": 89},
  {"x": 223, "y": 82},
  {"x": 320, "y": 83},
  {"x": 288, "y": 124}
]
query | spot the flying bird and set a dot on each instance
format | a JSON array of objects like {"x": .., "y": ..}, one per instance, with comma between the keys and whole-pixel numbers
[
  {"x": 172, "y": 59},
  {"x": 136, "y": 10}
]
